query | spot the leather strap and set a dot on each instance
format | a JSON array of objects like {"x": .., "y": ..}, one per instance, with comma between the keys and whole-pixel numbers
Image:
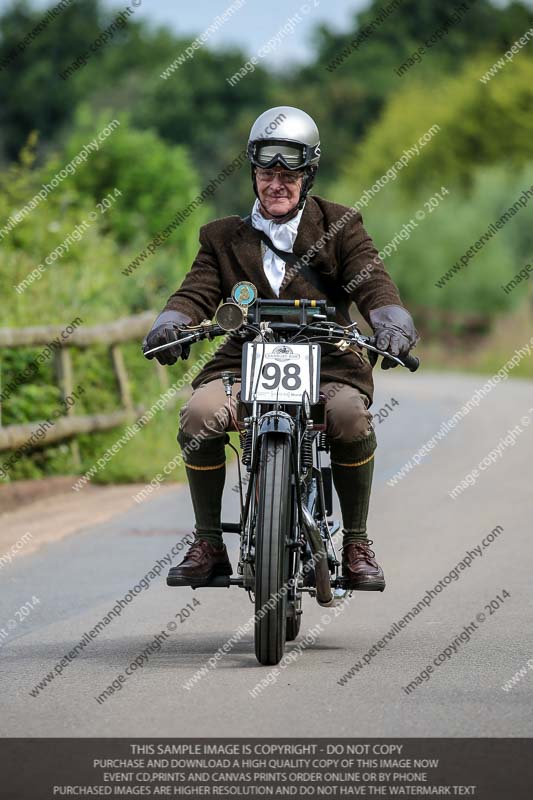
[{"x": 310, "y": 275}]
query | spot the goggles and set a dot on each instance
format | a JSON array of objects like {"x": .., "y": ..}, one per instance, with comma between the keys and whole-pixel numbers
[{"x": 281, "y": 152}]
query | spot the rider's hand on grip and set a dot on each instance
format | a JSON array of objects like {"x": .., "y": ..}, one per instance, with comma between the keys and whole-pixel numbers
[
  {"x": 395, "y": 333},
  {"x": 165, "y": 330}
]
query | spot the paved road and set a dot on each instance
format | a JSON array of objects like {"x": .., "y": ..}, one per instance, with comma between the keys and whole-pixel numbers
[{"x": 420, "y": 534}]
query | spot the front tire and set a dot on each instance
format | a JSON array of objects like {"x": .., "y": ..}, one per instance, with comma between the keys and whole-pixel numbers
[{"x": 271, "y": 548}]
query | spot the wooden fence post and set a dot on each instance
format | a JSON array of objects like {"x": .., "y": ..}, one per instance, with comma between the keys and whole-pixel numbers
[
  {"x": 121, "y": 376},
  {"x": 63, "y": 370}
]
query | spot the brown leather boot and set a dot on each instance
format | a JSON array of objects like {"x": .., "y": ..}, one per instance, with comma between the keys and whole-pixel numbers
[
  {"x": 203, "y": 561},
  {"x": 360, "y": 569}
]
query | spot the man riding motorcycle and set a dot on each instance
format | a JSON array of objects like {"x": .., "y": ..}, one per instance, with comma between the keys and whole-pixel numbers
[{"x": 284, "y": 151}]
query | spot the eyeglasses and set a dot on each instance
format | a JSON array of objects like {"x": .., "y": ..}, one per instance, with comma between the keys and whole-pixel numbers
[{"x": 268, "y": 175}]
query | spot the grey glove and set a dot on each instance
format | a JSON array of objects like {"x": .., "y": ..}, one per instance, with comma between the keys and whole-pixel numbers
[
  {"x": 395, "y": 332},
  {"x": 165, "y": 330}
]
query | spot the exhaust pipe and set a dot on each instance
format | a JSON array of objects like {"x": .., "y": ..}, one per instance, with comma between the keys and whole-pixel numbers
[{"x": 324, "y": 595}]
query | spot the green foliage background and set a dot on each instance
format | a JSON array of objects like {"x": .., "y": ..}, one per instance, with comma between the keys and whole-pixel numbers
[{"x": 176, "y": 134}]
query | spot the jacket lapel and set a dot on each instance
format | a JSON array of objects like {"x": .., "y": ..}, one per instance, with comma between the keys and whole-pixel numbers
[
  {"x": 246, "y": 247},
  {"x": 310, "y": 230}
]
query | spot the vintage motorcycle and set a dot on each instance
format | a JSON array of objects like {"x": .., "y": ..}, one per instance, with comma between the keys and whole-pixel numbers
[{"x": 285, "y": 526}]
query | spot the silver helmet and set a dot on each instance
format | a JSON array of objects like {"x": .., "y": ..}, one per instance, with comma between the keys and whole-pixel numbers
[{"x": 287, "y": 137}]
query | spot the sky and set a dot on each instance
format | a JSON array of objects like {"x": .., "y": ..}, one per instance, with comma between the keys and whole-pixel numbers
[{"x": 251, "y": 26}]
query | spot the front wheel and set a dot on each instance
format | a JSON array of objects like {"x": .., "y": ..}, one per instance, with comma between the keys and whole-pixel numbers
[{"x": 272, "y": 548}]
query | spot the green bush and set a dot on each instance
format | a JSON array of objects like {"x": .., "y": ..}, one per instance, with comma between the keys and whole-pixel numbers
[
  {"x": 440, "y": 239},
  {"x": 480, "y": 125},
  {"x": 155, "y": 181}
]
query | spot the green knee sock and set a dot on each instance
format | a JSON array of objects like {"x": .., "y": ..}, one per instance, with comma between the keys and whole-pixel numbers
[
  {"x": 206, "y": 473},
  {"x": 352, "y": 468}
]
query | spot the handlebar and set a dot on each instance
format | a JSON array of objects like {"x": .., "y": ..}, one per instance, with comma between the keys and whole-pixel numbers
[
  {"x": 326, "y": 329},
  {"x": 409, "y": 362}
]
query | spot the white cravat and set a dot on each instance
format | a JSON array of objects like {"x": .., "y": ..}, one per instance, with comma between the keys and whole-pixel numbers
[{"x": 283, "y": 236}]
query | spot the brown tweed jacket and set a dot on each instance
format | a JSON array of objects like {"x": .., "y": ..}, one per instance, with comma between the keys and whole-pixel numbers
[{"x": 231, "y": 251}]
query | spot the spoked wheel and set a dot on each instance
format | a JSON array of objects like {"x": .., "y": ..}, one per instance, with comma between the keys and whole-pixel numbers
[{"x": 271, "y": 548}]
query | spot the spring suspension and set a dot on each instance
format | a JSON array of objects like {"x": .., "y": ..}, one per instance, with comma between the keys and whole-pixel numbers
[
  {"x": 323, "y": 443},
  {"x": 307, "y": 450},
  {"x": 246, "y": 446}
]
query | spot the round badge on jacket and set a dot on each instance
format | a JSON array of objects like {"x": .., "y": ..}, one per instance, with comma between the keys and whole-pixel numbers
[{"x": 244, "y": 293}]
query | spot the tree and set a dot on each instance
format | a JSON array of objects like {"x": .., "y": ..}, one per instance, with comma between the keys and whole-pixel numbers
[{"x": 480, "y": 124}]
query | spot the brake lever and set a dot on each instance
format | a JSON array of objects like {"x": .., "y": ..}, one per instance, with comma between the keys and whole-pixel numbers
[
  {"x": 410, "y": 362},
  {"x": 194, "y": 336},
  {"x": 168, "y": 345},
  {"x": 362, "y": 340}
]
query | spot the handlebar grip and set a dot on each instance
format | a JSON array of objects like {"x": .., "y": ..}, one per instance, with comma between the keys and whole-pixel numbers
[{"x": 411, "y": 362}]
